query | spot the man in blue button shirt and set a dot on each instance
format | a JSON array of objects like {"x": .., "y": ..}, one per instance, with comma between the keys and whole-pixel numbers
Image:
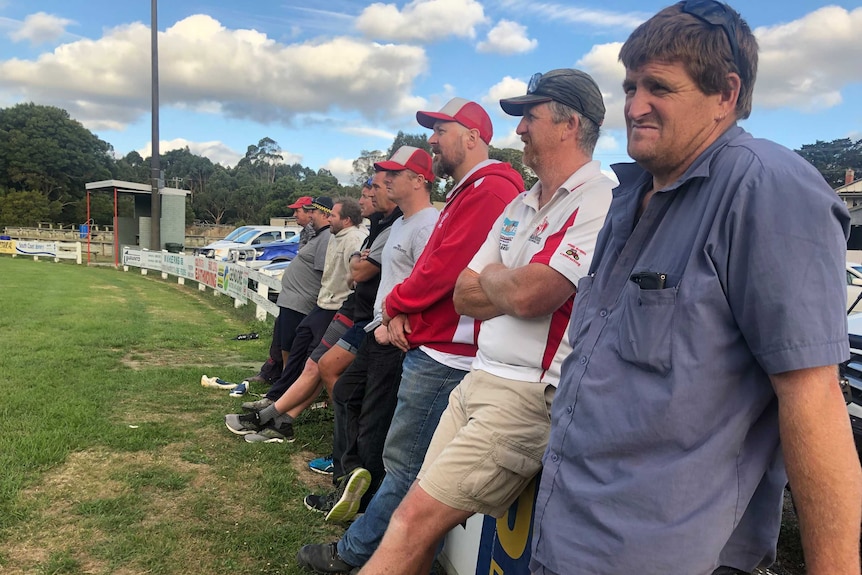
[{"x": 706, "y": 337}]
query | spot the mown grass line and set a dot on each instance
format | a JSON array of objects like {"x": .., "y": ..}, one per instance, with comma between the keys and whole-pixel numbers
[{"x": 113, "y": 457}]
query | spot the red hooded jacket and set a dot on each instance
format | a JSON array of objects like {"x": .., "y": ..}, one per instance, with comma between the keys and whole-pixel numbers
[{"x": 426, "y": 295}]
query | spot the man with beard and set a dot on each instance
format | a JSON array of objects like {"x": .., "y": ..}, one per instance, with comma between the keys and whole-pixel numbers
[
  {"x": 521, "y": 283},
  {"x": 440, "y": 344}
]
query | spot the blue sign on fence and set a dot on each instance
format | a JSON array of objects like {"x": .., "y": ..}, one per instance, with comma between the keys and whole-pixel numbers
[{"x": 84, "y": 229}]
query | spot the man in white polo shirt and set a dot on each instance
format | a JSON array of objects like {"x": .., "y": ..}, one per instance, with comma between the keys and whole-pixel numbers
[{"x": 521, "y": 283}]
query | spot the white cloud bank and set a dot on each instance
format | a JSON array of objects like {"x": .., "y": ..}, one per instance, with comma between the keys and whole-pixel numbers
[
  {"x": 217, "y": 152},
  {"x": 41, "y": 28},
  {"x": 105, "y": 83},
  {"x": 421, "y": 21},
  {"x": 507, "y": 38}
]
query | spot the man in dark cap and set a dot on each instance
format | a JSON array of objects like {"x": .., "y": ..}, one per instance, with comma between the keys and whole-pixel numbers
[{"x": 521, "y": 283}]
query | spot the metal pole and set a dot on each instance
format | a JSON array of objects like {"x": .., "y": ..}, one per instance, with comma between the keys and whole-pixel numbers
[
  {"x": 156, "y": 213},
  {"x": 116, "y": 231},
  {"x": 89, "y": 227}
]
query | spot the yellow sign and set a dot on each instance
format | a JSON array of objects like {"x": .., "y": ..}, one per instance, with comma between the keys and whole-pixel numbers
[{"x": 7, "y": 246}]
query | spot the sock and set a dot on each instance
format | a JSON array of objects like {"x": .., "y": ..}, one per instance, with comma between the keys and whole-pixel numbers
[{"x": 270, "y": 413}]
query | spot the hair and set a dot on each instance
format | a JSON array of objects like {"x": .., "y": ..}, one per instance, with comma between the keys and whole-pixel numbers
[
  {"x": 588, "y": 131},
  {"x": 703, "y": 49},
  {"x": 350, "y": 209}
]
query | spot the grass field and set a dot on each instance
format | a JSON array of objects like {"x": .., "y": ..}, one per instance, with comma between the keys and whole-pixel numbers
[{"x": 114, "y": 459}]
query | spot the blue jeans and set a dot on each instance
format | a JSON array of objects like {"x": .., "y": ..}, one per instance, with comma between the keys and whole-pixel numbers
[{"x": 422, "y": 397}]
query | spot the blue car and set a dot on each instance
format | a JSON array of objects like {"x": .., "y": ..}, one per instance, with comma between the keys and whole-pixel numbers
[{"x": 258, "y": 256}]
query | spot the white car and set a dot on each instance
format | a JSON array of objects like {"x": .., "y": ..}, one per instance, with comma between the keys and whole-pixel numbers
[
  {"x": 854, "y": 287},
  {"x": 246, "y": 236}
]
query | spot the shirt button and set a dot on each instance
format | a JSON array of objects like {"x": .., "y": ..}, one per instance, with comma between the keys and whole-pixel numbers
[
  {"x": 583, "y": 360},
  {"x": 603, "y": 313},
  {"x": 554, "y": 458},
  {"x": 570, "y": 409}
]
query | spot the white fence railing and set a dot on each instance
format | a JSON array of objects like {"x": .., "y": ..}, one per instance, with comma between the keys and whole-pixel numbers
[
  {"x": 38, "y": 249},
  {"x": 229, "y": 278}
]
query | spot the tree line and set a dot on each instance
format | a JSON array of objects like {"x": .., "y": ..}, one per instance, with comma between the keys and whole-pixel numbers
[{"x": 47, "y": 157}]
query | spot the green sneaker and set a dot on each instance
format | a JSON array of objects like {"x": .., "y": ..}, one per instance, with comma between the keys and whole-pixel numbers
[
  {"x": 273, "y": 434},
  {"x": 349, "y": 494}
]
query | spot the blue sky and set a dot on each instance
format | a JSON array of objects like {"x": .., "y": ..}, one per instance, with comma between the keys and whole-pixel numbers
[{"x": 328, "y": 80}]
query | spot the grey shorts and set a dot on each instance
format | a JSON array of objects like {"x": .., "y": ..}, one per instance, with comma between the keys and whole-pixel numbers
[
  {"x": 353, "y": 338},
  {"x": 339, "y": 325},
  {"x": 489, "y": 443}
]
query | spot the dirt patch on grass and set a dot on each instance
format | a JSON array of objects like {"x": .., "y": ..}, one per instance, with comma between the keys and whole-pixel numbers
[
  {"x": 138, "y": 360},
  {"x": 99, "y": 500}
]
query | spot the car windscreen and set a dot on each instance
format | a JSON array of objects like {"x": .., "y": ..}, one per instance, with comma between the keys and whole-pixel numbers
[{"x": 240, "y": 230}]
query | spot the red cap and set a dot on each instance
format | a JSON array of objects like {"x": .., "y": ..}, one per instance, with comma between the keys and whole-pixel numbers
[
  {"x": 408, "y": 158},
  {"x": 469, "y": 114},
  {"x": 303, "y": 201}
]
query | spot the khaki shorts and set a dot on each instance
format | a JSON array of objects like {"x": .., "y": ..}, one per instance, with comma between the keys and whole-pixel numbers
[{"x": 489, "y": 443}]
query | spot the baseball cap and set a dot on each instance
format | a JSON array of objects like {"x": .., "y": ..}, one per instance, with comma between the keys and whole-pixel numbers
[
  {"x": 469, "y": 114},
  {"x": 303, "y": 201},
  {"x": 322, "y": 203},
  {"x": 567, "y": 86},
  {"x": 408, "y": 158}
]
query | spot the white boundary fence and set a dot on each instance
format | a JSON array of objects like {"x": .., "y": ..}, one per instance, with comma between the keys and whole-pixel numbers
[
  {"x": 228, "y": 278},
  {"x": 37, "y": 249}
]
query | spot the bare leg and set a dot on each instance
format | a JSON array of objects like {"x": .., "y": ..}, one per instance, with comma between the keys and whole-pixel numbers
[
  {"x": 332, "y": 365},
  {"x": 414, "y": 532},
  {"x": 302, "y": 393}
]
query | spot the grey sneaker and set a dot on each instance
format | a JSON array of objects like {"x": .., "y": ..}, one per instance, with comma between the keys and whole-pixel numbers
[
  {"x": 243, "y": 423},
  {"x": 272, "y": 434},
  {"x": 320, "y": 503},
  {"x": 323, "y": 558},
  {"x": 262, "y": 403},
  {"x": 349, "y": 494}
]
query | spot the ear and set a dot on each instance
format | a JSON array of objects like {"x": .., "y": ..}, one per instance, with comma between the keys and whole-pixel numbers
[
  {"x": 730, "y": 96},
  {"x": 570, "y": 128},
  {"x": 472, "y": 138}
]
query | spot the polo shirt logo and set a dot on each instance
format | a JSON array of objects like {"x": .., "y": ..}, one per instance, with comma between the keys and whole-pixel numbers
[
  {"x": 573, "y": 253},
  {"x": 507, "y": 234},
  {"x": 536, "y": 237}
]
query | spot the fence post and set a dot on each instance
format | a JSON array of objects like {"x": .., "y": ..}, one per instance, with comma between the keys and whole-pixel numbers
[{"x": 262, "y": 291}]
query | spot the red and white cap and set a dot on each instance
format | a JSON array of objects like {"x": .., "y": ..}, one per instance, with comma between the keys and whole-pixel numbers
[
  {"x": 408, "y": 158},
  {"x": 469, "y": 114}
]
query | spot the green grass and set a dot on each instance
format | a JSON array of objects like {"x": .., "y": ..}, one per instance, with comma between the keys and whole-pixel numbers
[{"x": 114, "y": 458}]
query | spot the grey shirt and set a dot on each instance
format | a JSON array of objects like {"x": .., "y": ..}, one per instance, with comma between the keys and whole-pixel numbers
[
  {"x": 300, "y": 283},
  {"x": 407, "y": 239},
  {"x": 665, "y": 422}
]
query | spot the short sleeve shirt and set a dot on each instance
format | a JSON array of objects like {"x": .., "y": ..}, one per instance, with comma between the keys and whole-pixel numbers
[
  {"x": 300, "y": 283},
  {"x": 665, "y": 420},
  {"x": 562, "y": 235}
]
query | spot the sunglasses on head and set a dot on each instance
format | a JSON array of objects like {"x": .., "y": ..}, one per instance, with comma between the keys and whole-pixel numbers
[{"x": 716, "y": 14}]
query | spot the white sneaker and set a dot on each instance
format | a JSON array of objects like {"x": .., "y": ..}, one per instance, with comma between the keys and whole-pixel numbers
[
  {"x": 239, "y": 390},
  {"x": 216, "y": 383}
]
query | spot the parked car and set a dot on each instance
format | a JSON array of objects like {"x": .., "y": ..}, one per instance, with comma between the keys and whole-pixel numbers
[
  {"x": 258, "y": 256},
  {"x": 851, "y": 376},
  {"x": 274, "y": 269},
  {"x": 246, "y": 236},
  {"x": 854, "y": 287}
]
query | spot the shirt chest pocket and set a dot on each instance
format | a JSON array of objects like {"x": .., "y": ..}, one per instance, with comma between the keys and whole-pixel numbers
[{"x": 646, "y": 324}]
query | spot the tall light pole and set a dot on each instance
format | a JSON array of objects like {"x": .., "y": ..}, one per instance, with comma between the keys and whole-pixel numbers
[{"x": 156, "y": 214}]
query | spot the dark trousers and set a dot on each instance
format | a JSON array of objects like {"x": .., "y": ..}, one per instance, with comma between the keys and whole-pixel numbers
[
  {"x": 307, "y": 337},
  {"x": 364, "y": 399}
]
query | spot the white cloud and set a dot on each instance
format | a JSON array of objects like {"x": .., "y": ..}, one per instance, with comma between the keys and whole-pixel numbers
[
  {"x": 105, "y": 83},
  {"x": 508, "y": 87},
  {"x": 217, "y": 152},
  {"x": 421, "y": 21},
  {"x": 507, "y": 38},
  {"x": 563, "y": 13},
  {"x": 341, "y": 169},
  {"x": 508, "y": 138},
  {"x": 368, "y": 131},
  {"x": 804, "y": 64},
  {"x": 40, "y": 28}
]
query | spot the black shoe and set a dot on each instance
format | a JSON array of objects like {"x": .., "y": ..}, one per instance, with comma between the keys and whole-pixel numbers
[
  {"x": 323, "y": 558},
  {"x": 243, "y": 423},
  {"x": 320, "y": 503}
]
